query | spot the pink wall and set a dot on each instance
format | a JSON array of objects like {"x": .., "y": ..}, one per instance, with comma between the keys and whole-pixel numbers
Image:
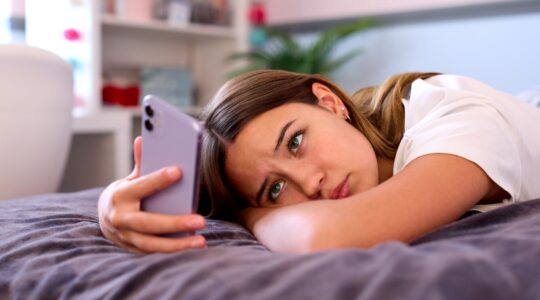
[
  {"x": 297, "y": 11},
  {"x": 17, "y": 8}
]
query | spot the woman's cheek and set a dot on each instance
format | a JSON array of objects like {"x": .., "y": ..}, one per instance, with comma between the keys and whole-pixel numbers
[{"x": 292, "y": 196}]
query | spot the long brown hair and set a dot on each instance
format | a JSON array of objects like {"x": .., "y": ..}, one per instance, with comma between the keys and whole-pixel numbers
[{"x": 377, "y": 112}]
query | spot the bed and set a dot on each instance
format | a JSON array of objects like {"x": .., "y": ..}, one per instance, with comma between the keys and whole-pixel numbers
[{"x": 51, "y": 248}]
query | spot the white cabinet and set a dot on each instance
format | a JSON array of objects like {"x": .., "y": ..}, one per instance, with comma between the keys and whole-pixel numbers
[{"x": 107, "y": 43}]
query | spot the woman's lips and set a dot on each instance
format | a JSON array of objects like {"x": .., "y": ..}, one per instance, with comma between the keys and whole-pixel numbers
[{"x": 341, "y": 191}]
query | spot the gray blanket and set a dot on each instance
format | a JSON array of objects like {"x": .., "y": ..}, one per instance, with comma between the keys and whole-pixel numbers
[{"x": 51, "y": 248}]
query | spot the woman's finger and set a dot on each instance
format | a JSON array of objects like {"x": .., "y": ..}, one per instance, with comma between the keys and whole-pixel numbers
[
  {"x": 153, "y": 223},
  {"x": 151, "y": 243},
  {"x": 150, "y": 184},
  {"x": 137, "y": 150}
]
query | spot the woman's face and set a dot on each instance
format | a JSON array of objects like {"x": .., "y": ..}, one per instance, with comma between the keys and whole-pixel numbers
[{"x": 300, "y": 152}]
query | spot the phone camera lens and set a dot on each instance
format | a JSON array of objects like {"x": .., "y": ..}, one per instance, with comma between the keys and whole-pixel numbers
[
  {"x": 148, "y": 124},
  {"x": 149, "y": 111}
]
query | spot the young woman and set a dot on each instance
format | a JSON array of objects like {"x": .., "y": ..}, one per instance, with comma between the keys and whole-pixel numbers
[{"x": 306, "y": 167}]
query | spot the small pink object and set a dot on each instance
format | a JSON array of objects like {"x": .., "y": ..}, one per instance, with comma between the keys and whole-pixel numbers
[
  {"x": 137, "y": 9},
  {"x": 72, "y": 34},
  {"x": 257, "y": 14},
  {"x": 78, "y": 101}
]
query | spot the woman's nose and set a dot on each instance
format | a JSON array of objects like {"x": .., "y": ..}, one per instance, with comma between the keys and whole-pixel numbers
[{"x": 309, "y": 179}]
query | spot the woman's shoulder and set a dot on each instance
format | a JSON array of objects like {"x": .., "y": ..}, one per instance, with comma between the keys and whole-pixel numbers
[
  {"x": 459, "y": 85},
  {"x": 453, "y": 91},
  {"x": 438, "y": 95},
  {"x": 448, "y": 92},
  {"x": 454, "y": 81}
]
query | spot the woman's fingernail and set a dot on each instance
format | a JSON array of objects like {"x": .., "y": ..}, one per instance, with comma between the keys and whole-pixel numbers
[
  {"x": 196, "y": 223},
  {"x": 172, "y": 172},
  {"x": 198, "y": 242}
]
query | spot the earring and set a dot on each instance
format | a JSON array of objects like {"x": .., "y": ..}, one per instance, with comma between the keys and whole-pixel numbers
[{"x": 345, "y": 113}]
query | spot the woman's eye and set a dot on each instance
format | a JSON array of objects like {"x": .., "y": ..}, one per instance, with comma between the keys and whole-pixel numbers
[
  {"x": 275, "y": 190},
  {"x": 295, "y": 142}
]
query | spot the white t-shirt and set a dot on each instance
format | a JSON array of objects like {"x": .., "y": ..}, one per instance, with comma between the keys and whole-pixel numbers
[{"x": 464, "y": 117}]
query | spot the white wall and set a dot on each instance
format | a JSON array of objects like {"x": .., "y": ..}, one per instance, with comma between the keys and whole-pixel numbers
[
  {"x": 11, "y": 11},
  {"x": 503, "y": 51}
]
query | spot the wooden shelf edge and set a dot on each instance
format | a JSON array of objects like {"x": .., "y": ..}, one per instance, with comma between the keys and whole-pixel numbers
[
  {"x": 195, "y": 30},
  {"x": 136, "y": 111}
]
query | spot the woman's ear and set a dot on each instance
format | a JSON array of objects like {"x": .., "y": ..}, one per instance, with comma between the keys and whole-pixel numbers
[{"x": 327, "y": 99}]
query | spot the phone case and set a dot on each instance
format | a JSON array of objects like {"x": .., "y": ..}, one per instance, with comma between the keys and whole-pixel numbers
[{"x": 170, "y": 138}]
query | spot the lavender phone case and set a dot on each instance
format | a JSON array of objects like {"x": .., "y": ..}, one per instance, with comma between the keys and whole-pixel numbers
[{"x": 174, "y": 140}]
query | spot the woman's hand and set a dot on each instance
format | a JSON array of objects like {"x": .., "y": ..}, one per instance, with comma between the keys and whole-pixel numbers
[{"x": 122, "y": 221}]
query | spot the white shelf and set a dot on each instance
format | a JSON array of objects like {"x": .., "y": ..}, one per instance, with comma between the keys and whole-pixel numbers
[
  {"x": 136, "y": 111},
  {"x": 105, "y": 121},
  {"x": 109, "y": 156},
  {"x": 193, "y": 30}
]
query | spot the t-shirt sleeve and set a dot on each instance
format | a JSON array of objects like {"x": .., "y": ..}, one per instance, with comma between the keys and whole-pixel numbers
[{"x": 474, "y": 130}]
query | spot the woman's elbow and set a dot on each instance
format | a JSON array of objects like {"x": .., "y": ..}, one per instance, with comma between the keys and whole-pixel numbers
[
  {"x": 289, "y": 233},
  {"x": 305, "y": 235},
  {"x": 300, "y": 230}
]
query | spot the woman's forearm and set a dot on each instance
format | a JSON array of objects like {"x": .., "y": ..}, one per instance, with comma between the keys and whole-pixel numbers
[
  {"x": 310, "y": 227},
  {"x": 410, "y": 204}
]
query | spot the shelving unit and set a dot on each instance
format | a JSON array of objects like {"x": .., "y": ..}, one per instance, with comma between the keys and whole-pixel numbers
[
  {"x": 194, "y": 30},
  {"x": 111, "y": 44}
]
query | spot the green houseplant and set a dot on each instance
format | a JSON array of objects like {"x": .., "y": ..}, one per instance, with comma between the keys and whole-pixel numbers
[{"x": 283, "y": 52}]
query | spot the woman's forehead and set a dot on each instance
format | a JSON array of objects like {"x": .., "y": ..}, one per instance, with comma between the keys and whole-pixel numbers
[
  {"x": 248, "y": 157},
  {"x": 258, "y": 134},
  {"x": 271, "y": 121}
]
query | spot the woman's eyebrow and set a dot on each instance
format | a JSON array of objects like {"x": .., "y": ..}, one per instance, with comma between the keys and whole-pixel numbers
[
  {"x": 282, "y": 134},
  {"x": 278, "y": 143}
]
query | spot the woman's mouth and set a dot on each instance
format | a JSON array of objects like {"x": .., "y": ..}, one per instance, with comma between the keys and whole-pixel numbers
[{"x": 342, "y": 190}]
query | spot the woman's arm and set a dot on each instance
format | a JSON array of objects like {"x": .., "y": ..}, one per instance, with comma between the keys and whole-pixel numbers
[{"x": 433, "y": 190}]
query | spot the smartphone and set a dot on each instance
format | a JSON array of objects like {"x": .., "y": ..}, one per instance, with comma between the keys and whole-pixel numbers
[{"x": 170, "y": 138}]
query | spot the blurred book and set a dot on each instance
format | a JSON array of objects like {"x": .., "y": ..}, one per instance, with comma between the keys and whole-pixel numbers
[
  {"x": 214, "y": 12},
  {"x": 179, "y": 12},
  {"x": 174, "y": 85}
]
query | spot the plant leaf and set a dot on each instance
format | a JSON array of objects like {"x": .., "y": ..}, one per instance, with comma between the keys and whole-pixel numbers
[
  {"x": 249, "y": 55},
  {"x": 328, "y": 39},
  {"x": 283, "y": 52},
  {"x": 284, "y": 40},
  {"x": 245, "y": 69},
  {"x": 334, "y": 64}
]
